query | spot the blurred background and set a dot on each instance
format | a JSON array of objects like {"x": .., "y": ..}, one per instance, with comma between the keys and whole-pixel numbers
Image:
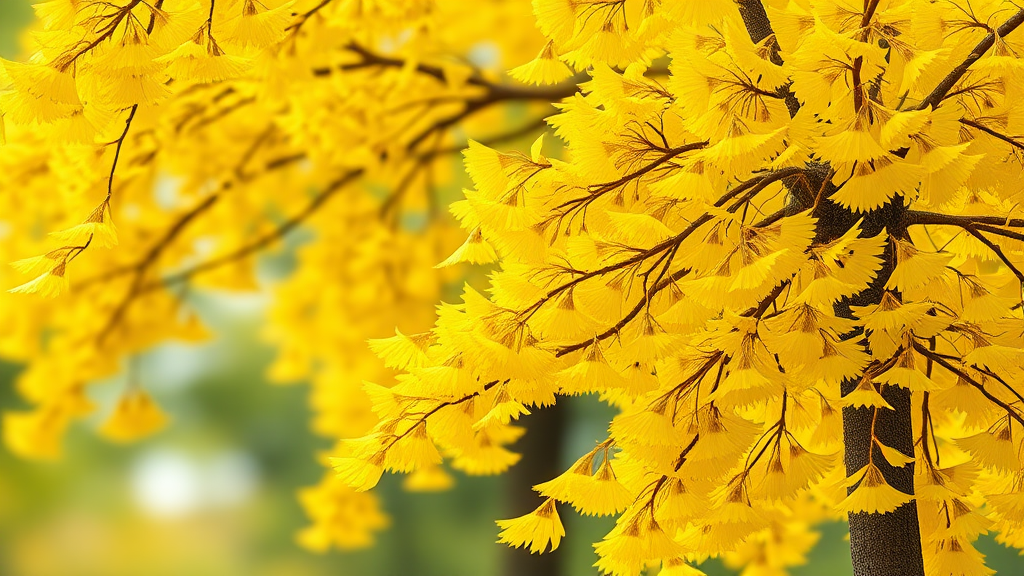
[{"x": 214, "y": 493}]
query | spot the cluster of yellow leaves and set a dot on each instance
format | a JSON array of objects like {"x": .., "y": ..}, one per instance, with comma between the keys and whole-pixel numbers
[
  {"x": 688, "y": 256},
  {"x": 209, "y": 130}
]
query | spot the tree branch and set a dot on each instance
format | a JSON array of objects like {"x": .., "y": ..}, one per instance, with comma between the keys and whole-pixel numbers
[
  {"x": 939, "y": 93},
  {"x": 938, "y": 359},
  {"x": 996, "y": 250},
  {"x": 263, "y": 241},
  {"x": 1008, "y": 139},
  {"x": 601, "y": 189},
  {"x": 497, "y": 91},
  {"x": 973, "y": 225},
  {"x": 918, "y": 217},
  {"x": 754, "y": 185}
]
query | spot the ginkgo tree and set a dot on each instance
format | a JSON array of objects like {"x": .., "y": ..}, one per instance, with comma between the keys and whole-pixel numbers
[{"x": 782, "y": 238}]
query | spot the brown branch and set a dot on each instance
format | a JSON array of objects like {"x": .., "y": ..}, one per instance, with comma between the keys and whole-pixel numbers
[
  {"x": 105, "y": 204},
  {"x": 668, "y": 155},
  {"x": 973, "y": 231},
  {"x": 941, "y": 361},
  {"x": 869, "y": 13},
  {"x": 524, "y": 130},
  {"x": 999, "y": 379},
  {"x": 917, "y": 217},
  {"x": 304, "y": 17},
  {"x": 671, "y": 279},
  {"x": 755, "y": 19},
  {"x": 1008, "y": 139},
  {"x": 926, "y": 415},
  {"x": 371, "y": 59},
  {"x": 117, "y": 151},
  {"x": 771, "y": 298},
  {"x": 220, "y": 114},
  {"x": 143, "y": 265},
  {"x": 209, "y": 20},
  {"x": 773, "y": 434},
  {"x": 422, "y": 417},
  {"x": 152, "y": 16},
  {"x": 65, "y": 61},
  {"x": 858, "y": 63},
  {"x": 185, "y": 219},
  {"x": 973, "y": 225},
  {"x": 1000, "y": 232},
  {"x": 391, "y": 202},
  {"x": 424, "y": 158},
  {"x": 755, "y": 186},
  {"x": 673, "y": 242},
  {"x": 666, "y": 244},
  {"x": 939, "y": 94},
  {"x": 140, "y": 268},
  {"x": 263, "y": 241},
  {"x": 157, "y": 249},
  {"x": 601, "y": 189}
]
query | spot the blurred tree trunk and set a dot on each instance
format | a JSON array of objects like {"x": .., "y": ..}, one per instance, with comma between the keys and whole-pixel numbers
[{"x": 541, "y": 448}]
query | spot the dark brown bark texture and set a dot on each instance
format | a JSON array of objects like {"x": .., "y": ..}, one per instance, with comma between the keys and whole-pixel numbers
[
  {"x": 880, "y": 544},
  {"x": 541, "y": 448}
]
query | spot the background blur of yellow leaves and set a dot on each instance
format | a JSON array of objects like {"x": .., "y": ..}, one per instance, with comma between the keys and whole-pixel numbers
[{"x": 213, "y": 494}]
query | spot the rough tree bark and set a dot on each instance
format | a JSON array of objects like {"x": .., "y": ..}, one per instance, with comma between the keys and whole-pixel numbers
[
  {"x": 541, "y": 448},
  {"x": 880, "y": 544}
]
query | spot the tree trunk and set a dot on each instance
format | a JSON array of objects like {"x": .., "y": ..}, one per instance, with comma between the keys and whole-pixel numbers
[
  {"x": 881, "y": 544},
  {"x": 541, "y": 448}
]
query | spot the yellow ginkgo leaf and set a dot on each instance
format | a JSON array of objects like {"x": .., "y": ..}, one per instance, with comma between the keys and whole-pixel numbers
[{"x": 135, "y": 416}]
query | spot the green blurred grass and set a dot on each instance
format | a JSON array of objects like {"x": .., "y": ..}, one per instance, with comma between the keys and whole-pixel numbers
[{"x": 14, "y": 15}]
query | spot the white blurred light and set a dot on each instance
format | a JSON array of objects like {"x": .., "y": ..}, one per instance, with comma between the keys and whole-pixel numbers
[
  {"x": 484, "y": 54},
  {"x": 169, "y": 484},
  {"x": 166, "y": 484}
]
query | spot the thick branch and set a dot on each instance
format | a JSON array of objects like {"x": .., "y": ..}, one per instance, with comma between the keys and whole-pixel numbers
[
  {"x": 917, "y": 218},
  {"x": 755, "y": 19},
  {"x": 498, "y": 91}
]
